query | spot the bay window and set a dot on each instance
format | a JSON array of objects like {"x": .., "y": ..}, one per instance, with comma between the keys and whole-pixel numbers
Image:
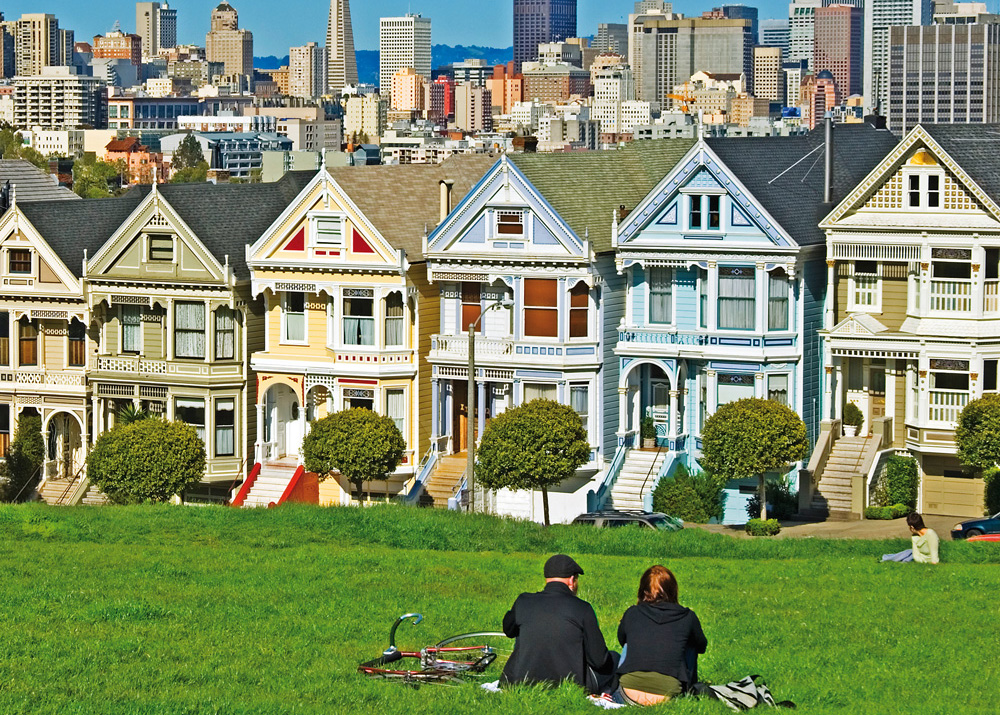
[
  {"x": 395, "y": 321},
  {"x": 737, "y": 298},
  {"x": 661, "y": 295},
  {"x": 541, "y": 311},
  {"x": 777, "y": 301},
  {"x": 189, "y": 330},
  {"x": 359, "y": 316},
  {"x": 225, "y": 428}
]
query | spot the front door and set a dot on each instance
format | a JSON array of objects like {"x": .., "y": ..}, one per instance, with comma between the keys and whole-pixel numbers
[
  {"x": 459, "y": 416},
  {"x": 660, "y": 406},
  {"x": 293, "y": 430},
  {"x": 866, "y": 388}
]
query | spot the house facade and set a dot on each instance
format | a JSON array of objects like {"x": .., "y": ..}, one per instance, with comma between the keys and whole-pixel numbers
[
  {"x": 348, "y": 308},
  {"x": 912, "y": 321},
  {"x": 723, "y": 264}
]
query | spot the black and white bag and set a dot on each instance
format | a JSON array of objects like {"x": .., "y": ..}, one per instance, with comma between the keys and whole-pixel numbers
[{"x": 741, "y": 694}]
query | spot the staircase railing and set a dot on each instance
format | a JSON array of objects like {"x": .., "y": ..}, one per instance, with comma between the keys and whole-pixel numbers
[
  {"x": 72, "y": 483},
  {"x": 596, "y": 500},
  {"x": 29, "y": 481},
  {"x": 659, "y": 450},
  {"x": 290, "y": 487},
  {"x": 416, "y": 483},
  {"x": 241, "y": 496},
  {"x": 459, "y": 492},
  {"x": 809, "y": 477},
  {"x": 665, "y": 469}
]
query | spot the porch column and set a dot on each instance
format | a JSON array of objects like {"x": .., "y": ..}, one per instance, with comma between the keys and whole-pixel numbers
[
  {"x": 435, "y": 409},
  {"x": 759, "y": 388},
  {"x": 302, "y": 432},
  {"x": 622, "y": 410},
  {"x": 838, "y": 380},
  {"x": 636, "y": 408},
  {"x": 97, "y": 418},
  {"x": 828, "y": 392},
  {"x": 831, "y": 277},
  {"x": 713, "y": 391},
  {"x": 891, "y": 371},
  {"x": 674, "y": 416}
]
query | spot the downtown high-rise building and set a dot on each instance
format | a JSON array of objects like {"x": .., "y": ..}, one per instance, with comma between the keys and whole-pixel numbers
[
  {"x": 227, "y": 43},
  {"x": 768, "y": 77},
  {"x": 880, "y": 15},
  {"x": 801, "y": 18},
  {"x": 735, "y": 12},
  {"x": 611, "y": 37},
  {"x": 943, "y": 74},
  {"x": 838, "y": 44},
  {"x": 156, "y": 24},
  {"x": 307, "y": 71},
  {"x": 39, "y": 42},
  {"x": 775, "y": 33},
  {"x": 403, "y": 43},
  {"x": 537, "y": 22},
  {"x": 342, "y": 64}
]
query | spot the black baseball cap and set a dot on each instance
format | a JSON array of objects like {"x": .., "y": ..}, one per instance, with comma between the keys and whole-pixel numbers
[{"x": 562, "y": 566}]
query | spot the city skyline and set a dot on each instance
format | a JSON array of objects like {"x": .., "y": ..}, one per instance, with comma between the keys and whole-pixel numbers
[{"x": 493, "y": 28}]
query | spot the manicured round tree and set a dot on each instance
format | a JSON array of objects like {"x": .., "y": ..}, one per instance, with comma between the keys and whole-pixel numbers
[
  {"x": 751, "y": 437},
  {"x": 360, "y": 444},
  {"x": 534, "y": 446},
  {"x": 147, "y": 460},
  {"x": 978, "y": 440}
]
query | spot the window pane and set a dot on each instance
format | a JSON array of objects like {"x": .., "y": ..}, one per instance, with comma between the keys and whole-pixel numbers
[
  {"x": 131, "y": 317},
  {"x": 695, "y": 215},
  {"x": 539, "y": 391},
  {"x": 990, "y": 375},
  {"x": 540, "y": 292},
  {"x": 660, "y": 295},
  {"x": 295, "y": 316},
  {"x": 471, "y": 305},
  {"x": 580, "y": 402},
  {"x": 737, "y": 298},
  {"x": 359, "y": 321},
  {"x": 225, "y": 428},
  {"x": 193, "y": 413},
  {"x": 4, "y": 338},
  {"x": 394, "y": 320},
  {"x": 189, "y": 333},
  {"x": 777, "y": 301},
  {"x": 77, "y": 343},
  {"x": 777, "y": 388},
  {"x": 20, "y": 260},
  {"x": 540, "y": 314},
  {"x": 510, "y": 223},
  {"x": 950, "y": 380},
  {"x": 541, "y": 323},
  {"x": 329, "y": 232},
  {"x": 225, "y": 334},
  {"x": 161, "y": 248},
  {"x": 714, "y": 219},
  {"x": 703, "y": 298},
  {"x": 395, "y": 405},
  {"x": 578, "y": 311},
  {"x": 27, "y": 342}
]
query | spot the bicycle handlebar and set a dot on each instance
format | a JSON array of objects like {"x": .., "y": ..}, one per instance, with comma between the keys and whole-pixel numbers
[{"x": 392, "y": 632}]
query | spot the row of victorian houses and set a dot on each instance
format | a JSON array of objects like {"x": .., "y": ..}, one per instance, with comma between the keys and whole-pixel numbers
[{"x": 658, "y": 280}]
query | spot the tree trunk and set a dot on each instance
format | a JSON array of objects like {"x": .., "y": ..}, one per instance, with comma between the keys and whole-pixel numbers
[
  {"x": 545, "y": 504},
  {"x": 358, "y": 485},
  {"x": 763, "y": 497}
]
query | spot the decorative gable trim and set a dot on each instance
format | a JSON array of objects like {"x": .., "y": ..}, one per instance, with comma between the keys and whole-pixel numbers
[
  {"x": 858, "y": 324},
  {"x": 13, "y": 222},
  {"x": 879, "y": 177},
  {"x": 699, "y": 157}
]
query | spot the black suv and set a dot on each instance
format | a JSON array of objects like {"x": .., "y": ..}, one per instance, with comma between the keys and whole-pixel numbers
[{"x": 649, "y": 519}]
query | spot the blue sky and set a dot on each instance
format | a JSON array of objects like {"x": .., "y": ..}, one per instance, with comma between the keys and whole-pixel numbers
[{"x": 276, "y": 26}]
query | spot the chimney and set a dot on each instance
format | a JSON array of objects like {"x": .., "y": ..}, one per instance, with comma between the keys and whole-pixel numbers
[
  {"x": 445, "y": 185},
  {"x": 828, "y": 163},
  {"x": 623, "y": 212}
]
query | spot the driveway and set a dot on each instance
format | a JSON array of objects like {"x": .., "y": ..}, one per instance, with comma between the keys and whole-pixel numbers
[{"x": 860, "y": 529}]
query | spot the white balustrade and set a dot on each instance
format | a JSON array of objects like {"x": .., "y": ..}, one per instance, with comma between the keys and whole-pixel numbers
[
  {"x": 951, "y": 295},
  {"x": 991, "y": 296},
  {"x": 945, "y": 405}
]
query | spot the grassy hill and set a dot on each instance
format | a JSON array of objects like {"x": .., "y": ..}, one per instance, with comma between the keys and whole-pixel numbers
[{"x": 213, "y": 610}]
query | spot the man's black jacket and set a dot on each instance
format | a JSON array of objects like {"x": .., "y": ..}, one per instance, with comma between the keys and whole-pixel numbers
[{"x": 557, "y": 638}]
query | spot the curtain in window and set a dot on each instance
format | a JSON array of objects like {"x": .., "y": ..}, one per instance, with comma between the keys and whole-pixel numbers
[
  {"x": 579, "y": 401},
  {"x": 131, "y": 328},
  {"x": 660, "y": 295},
  {"x": 736, "y": 298},
  {"x": 225, "y": 428},
  {"x": 193, "y": 413},
  {"x": 295, "y": 316},
  {"x": 189, "y": 332},
  {"x": 394, "y": 320},
  {"x": 536, "y": 391},
  {"x": 359, "y": 324},
  {"x": 395, "y": 404},
  {"x": 225, "y": 334},
  {"x": 703, "y": 298},
  {"x": 777, "y": 301},
  {"x": 777, "y": 388}
]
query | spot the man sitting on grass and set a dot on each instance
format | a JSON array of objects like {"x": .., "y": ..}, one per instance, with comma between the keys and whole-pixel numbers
[
  {"x": 925, "y": 543},
  {"x": 557, "y": 634}
]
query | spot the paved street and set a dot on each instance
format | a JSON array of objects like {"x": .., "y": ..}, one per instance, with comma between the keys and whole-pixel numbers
[{"x": 864, "y": 529}]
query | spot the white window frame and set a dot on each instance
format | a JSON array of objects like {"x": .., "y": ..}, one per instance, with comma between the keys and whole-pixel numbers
[
  {"x": 497, "y": 236},
  {"x": 215, "y": 426},
  {"x": 923, "y": 176},
  {"x": 121, "y": 329},
  {"x": 671, "y": 319},
  {"x": 788, "y": 385},
  {"x": 385, "y": 409},
  {"x": 150, "y": 237},
  {"x": 316, "y": 219},
  {"x": 585, "y": 416},
  {"x": 285, "y": 340},
  {"x": 788, "y": 301},
  {"x": 874, "y": 290},
  {"x": 377, "y": 328}
]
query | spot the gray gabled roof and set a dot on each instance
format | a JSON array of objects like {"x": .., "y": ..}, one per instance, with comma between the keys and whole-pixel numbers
[
  {"x": 975, "y": 147},
  {"x": 224, "y": 217},
  {"x": 785, "y": 174},
  {"x": 31, "y": 183}
]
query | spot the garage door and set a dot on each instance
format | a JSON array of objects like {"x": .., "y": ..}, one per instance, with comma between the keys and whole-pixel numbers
[{"x": 953, "y": 496}]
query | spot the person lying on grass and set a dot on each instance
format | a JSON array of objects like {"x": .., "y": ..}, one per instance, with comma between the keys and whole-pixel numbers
[
  {"x": 557, "y": 634},
  {"x": 925, "y": 543},
  {"x": 661, "y": 639}
]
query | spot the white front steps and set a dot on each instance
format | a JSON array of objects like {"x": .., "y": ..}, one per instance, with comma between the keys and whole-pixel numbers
[
  {"x": 269, "y": 485},
  {"x": 641, "y": 468}
]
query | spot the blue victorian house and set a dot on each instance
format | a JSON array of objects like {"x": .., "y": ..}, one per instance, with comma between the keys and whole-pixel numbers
[{"x": 725, "y": 273}]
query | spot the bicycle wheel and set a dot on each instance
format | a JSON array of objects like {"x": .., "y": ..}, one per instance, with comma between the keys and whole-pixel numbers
[{"x": 479, "y": 654}]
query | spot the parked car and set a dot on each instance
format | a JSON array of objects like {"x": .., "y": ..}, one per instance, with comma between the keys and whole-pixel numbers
[
  {"x": 977, "y": 527},
  {"x": 648, "y": 519},
  {"x": 985, "y": 537}
]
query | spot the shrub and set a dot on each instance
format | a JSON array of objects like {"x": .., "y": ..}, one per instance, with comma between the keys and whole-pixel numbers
[
  {"x": 896, "y": 511},
  {"x": 898, "y": 483},
  {"x": 978, "y": 432},
  {"x": 757, "y": 527},
  {"x": 647, "y": 428},
  {"x": 360, "y": 444},
  {"x": 783, "y": 502},
  {"x": 23, "y": 459},
  {"x": 534, "y": 446},
  {"x": 992, "y": 490},
  {"x": 853, "y": 416},
  {"x": 148, "y": 460},
  {"x": 692, "y": 497},
  {"x": 751, "y": 437}
]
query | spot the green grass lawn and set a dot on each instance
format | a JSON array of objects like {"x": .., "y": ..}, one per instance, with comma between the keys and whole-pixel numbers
[{"x": 186, "y": 610}]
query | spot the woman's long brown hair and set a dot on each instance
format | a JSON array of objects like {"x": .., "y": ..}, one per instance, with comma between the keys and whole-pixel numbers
[{"x": 657, "y": 585}]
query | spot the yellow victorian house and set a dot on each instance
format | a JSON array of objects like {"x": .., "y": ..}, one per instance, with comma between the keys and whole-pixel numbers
[{"x": 349, "y": 312}]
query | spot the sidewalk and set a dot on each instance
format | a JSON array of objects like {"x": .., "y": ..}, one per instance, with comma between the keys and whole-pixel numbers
[{"x": 861, "y": 529}]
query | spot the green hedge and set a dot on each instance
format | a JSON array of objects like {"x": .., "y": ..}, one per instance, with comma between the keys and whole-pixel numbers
[
  {"x": 691, "y": 497},
  {"x": 756, "y": 527},
  {"x": 896, "y": 511},
  {"x": 899, "y": 483},
  {"x": 782, "y": 502},
  {"x": 22, "y": 463},
  {"x": 991, "y": 496}
]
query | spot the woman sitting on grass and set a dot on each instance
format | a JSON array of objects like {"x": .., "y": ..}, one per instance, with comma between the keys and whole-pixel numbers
[
  {"x": 925, "y": 543},
  {"x": 662, "y": 641}
]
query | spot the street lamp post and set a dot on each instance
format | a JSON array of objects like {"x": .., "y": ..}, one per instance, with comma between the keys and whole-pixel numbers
[{"x": 470, "y": 468}]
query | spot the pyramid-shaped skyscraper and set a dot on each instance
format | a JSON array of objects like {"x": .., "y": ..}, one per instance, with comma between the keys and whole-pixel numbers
[{"x": 343, "y": 65}]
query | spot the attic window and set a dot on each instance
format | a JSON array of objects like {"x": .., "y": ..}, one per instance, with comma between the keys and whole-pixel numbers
[
  {"x": 161, "y": 248},
  {"x": 510, "y": 223},
  {"x": 19, "y": 260},
  {"x": 329, "y": 231}
]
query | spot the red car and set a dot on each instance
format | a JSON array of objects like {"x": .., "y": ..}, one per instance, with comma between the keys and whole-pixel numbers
[{"x": 985, "y": 537}]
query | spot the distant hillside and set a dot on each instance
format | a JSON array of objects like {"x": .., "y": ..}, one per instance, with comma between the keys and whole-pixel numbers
[{"x": 440, "y": 55}]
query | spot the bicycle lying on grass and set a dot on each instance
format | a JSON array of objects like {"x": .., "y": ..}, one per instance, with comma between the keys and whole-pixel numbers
[{"x": 465, "y": 654}]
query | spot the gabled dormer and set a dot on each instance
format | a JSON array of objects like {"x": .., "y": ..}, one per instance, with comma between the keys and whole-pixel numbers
[{"x": 29, "y": 266}]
